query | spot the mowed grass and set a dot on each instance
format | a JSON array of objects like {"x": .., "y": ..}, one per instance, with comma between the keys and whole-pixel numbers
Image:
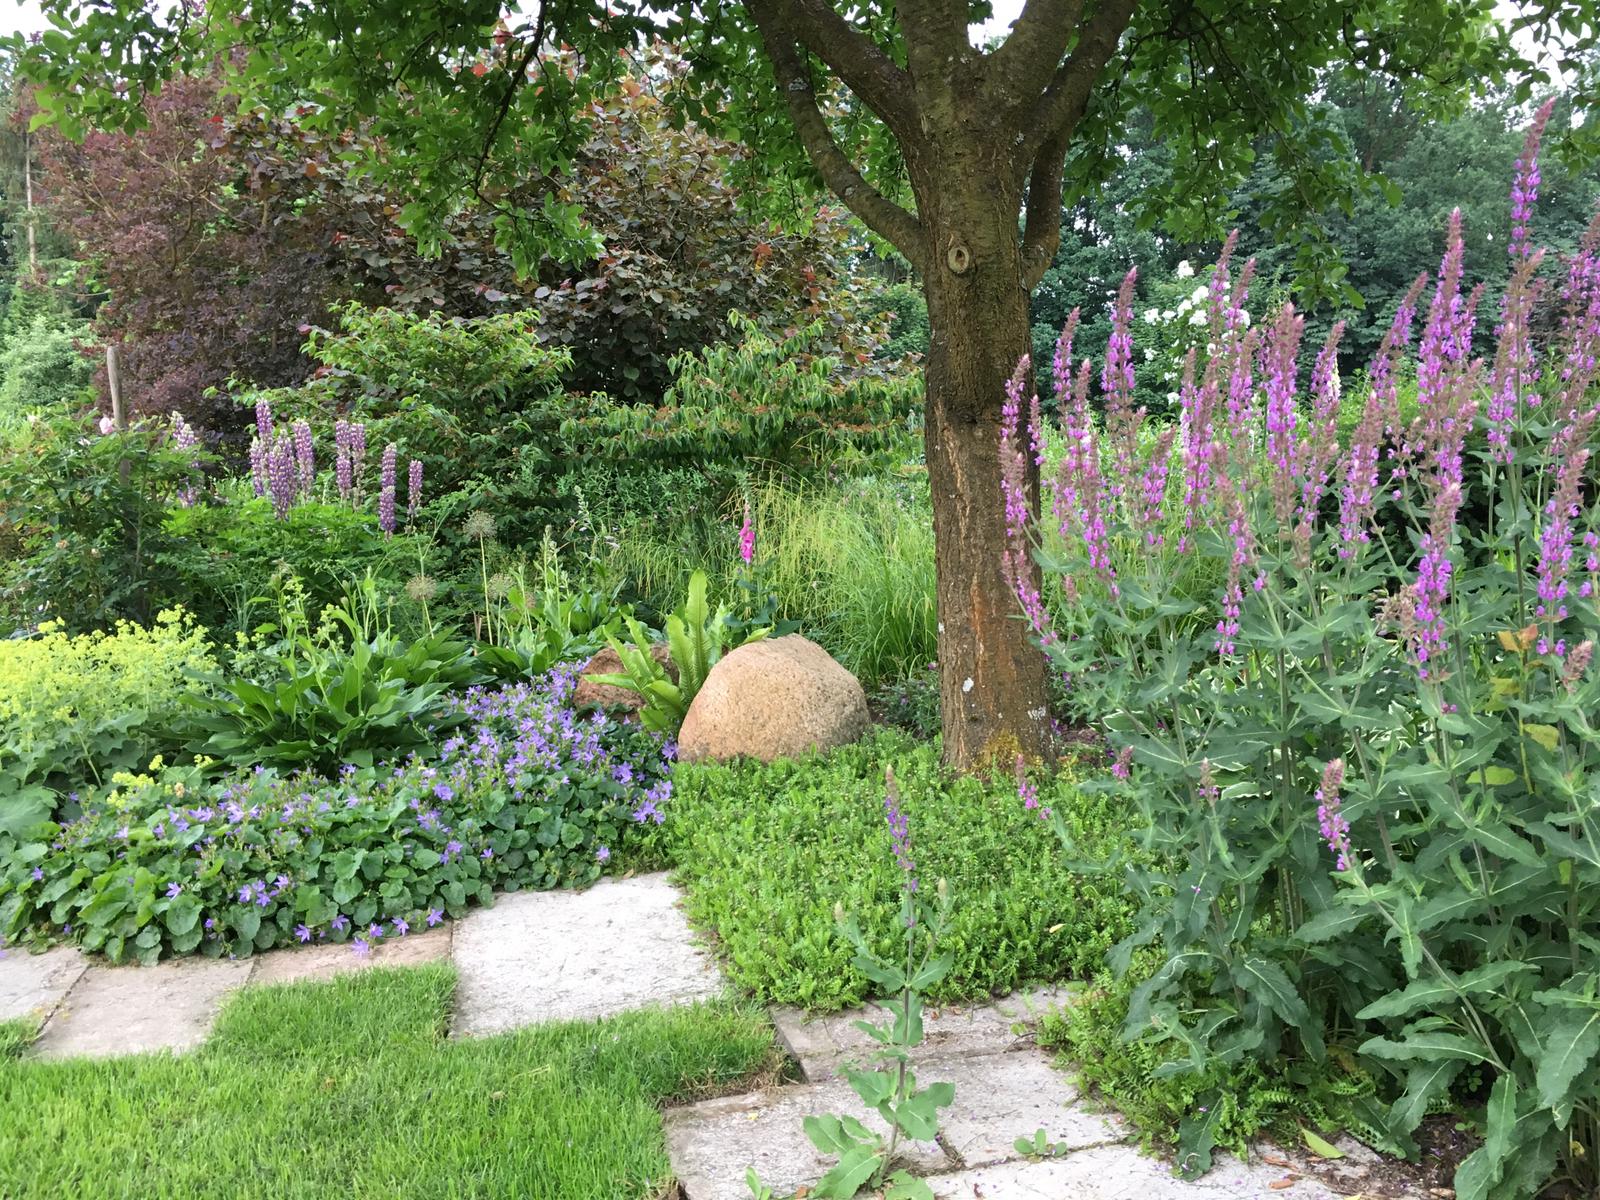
[{"x": 351, "y": 1089}]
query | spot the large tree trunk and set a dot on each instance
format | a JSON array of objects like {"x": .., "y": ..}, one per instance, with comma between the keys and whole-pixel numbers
[{"x": 992, "y": 677}]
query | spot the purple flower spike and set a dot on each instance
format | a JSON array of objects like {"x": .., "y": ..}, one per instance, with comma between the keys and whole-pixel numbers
[{"x": 386, "y": 485}]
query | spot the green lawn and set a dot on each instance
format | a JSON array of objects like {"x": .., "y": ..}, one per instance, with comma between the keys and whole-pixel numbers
[
  {"x": 350, "y": 1088},
  {"x": 765, "y": 852}
]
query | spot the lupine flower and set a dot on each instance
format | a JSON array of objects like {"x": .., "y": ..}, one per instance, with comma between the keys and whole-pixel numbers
[
  {"x": 386, "y": 489},
  {"x": 1330, "y": 819},
  {"x": 184, "y": 437},
  {"x": 1207, "y": 788},
  {"x": 305, "y": 456},
  {"x": 413, "y": 488},
  {"x": 282, "y": 477},
  {"x": 258, "y": 466},
  {"x": 344, "y": 458}
]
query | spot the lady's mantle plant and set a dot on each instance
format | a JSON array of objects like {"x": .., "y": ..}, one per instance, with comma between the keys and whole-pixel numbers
[
  {"x": 1372, "y": 758},
  {"x": 528, "y": 793},
  {"x": 890, "y": 1089}
]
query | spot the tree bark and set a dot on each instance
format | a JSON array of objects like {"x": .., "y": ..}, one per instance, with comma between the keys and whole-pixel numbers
[{"x": 992, "y": 677}]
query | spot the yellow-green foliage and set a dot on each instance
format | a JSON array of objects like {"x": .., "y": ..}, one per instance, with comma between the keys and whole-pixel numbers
[{"x": 73, "y": 710}]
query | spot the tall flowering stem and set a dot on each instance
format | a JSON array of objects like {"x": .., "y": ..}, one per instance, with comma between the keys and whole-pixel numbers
[
  {"x": 386, "y": 489},
  {"x": 1117, "y": 382}
]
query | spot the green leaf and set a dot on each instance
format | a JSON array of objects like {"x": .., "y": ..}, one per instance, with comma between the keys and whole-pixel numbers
[
  {"x": 904, "y": 1186},
  {"x": 1571, "y": 1042},
  {"x": 1424, "y": 1082},
  {"x": 1547, "y": 736},
  {"x": 850, "y": 1174},
  {"x": 1429, "y": 1044},
  {"x": 1197, "y": 1135},
  {"x": 183, "y": 914},
  {"x": 1493, "y": 776},
  {"x": 1320, "y": 1146},
  {"x": 1429, "y": 993},
  {"x": 1500, "y": 1119}
]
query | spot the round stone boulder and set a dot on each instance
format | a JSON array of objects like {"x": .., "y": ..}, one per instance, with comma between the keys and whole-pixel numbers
[
  {"x": 776, "y": 698},
  {"x": 608, "y": 696}
]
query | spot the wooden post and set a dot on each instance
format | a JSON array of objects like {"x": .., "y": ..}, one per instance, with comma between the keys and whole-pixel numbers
[{"x": 119, "y": 415}]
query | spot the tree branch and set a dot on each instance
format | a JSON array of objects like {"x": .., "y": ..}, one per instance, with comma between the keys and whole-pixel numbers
[
  {"x": 860, "y": 63},
  {"x": 1025, "y": 62},
  {"x": 884, "y": 217},
  {"x": 1059, "y": 109},
  {"x": 1041, "y": 231}
]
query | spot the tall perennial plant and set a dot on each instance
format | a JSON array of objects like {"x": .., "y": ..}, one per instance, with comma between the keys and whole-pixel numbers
[{"x": 1370, "y": 760}]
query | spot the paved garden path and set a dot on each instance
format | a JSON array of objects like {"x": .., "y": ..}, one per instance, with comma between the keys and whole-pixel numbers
[
  {"x": 625, "y": 943},
  {"x": 534, "y": 956}
]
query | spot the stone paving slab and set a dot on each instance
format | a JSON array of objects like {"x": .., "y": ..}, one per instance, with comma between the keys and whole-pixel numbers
[
  {"x": 547, "y": 956},
  {"x": 125, "y": 1010},
  {"x": 821, "y": 1045},
  {"x": 1122, "y": 1173},
  {"x": 34, "y": 985},
  {"x": 328, "y": 961},
  {"x": 712, "y": 1144},
  {"x": 1002, "y": 1097}
]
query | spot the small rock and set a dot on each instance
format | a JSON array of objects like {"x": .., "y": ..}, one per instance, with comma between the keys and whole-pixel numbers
[
  {"x": 776, "y": 698},
  {"x": 608, "y": 696}
]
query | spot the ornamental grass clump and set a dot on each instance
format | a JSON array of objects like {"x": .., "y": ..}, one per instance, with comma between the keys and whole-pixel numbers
[
  {"x": 1368, "y": 761},
  {"x": 527, "y": 794}
]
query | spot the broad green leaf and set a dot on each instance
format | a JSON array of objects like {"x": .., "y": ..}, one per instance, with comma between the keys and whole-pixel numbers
[
  {"x": 1428, "y": 1044},
  {"x": 1433, "y": 991},
  {"x": 1423, "y": 1082},
  {"x": 850, "y": 1174},
  {"x": 1500, "y": 1119},
  {"x": 1572, "y": 1041}
]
